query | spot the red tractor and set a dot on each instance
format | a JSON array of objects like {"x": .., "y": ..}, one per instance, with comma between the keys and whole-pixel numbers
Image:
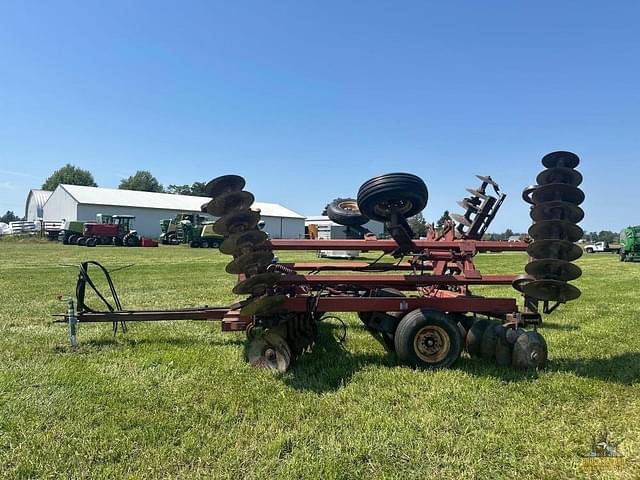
[{"x": 109, "y": 230}]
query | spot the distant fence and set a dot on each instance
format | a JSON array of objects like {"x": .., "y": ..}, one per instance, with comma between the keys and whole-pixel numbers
[{"x": 21, "y": 228}]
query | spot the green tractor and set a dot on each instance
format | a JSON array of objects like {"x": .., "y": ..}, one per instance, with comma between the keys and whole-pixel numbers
[
  {"x": 70, "y": 229},
  {"x": 191, "y": 228},
  {"x": 630, "y": 244}
]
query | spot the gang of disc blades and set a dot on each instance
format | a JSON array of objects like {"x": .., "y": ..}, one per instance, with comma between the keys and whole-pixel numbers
[
  {"x": 557, "y": 191},
  {"x": 224, "y": 184},
  {"x": 252, "y": 259},
  {"x": 269, "y": 351},
  {"x": 520, "y": 281},
  {"x": 568, "y": 176},
  {"x": 553, "y": 269},
  {"x": 262, "y": 281},
  {"x": 560, "y": 159},
  {"x": 230, "y": 202},
  {"x": 236, "y": 222},
  {"x": 551, "y": 290},
  {"x": 560, "y": 249},
  {"x": 236, "y": 243},
  {"x": 555, "y": 230},
  {"x": 264, "y": 305},
  {"x": 557, "y": 210}
]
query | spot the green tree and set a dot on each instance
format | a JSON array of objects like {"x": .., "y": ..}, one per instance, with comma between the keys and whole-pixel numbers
[
  {"x": 441, "y": 221},
  {"x": 418, "y": 224},
  {"x": 9, "y": 217},
  {"x": 143, "y": 181},
  {"x": 71, "y": 175},
  {"x": 196, "y": 189}
]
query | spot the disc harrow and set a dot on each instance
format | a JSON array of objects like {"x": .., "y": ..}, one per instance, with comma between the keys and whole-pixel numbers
[{"x": 421, "y": 305}]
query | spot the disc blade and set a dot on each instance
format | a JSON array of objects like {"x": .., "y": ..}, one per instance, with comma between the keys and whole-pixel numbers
[
  {"x": 230, "y": 202},
  {"x": 242, "y": 242},
  {"x": 460, "y": 219},
  {"x": 257, "y": 284},
  {"x": 568, "y": 176},
  {"x": 266, "y": 305},
  {"x": 520, "y": 281},
  {"x": 557, "y": 191},
  {"x": 530, "y": 351},
  {"x": 555, "y": 230},
  {"x": 489, "y": 181},
  {"x": 236, "y": 222},
  {"x": 249, "y": 260},
  {"x": 551, "y": 290},
  {"x": 560, "y": 249},
  {"x": 224, "y": 184},
  {"x": 551, "y": 268},
  {"x": 561, "y": 159},
  {"x": 269, "y": 351},
  {"x": 477, "y": 193},
  {"x": 557, "y": 210},
  {"x": 467, "y": 205}
]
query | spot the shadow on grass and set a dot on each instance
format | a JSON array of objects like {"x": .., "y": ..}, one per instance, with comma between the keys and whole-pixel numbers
[
  {"x": 623, "y": 369},
  {"x": 329, "y": 366}
]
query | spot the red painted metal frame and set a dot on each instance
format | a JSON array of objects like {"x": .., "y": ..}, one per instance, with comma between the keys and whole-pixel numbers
[
  {"x": 391, "y": 245},
  {"x": 409, "y": 282}
]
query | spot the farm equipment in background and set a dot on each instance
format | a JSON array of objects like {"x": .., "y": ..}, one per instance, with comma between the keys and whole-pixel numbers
[
  {"x": 630, "y": 244},
  {"x": 114, "y": 230},
  {"x": 191, "y": 228},
  {"x": 602, "y": 247},
  {"x": 422, "y": 304},
  {"x": 70, "y": 228}
]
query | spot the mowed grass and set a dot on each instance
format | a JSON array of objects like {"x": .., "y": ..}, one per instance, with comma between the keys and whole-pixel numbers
[{"x": 178, "y": 399}]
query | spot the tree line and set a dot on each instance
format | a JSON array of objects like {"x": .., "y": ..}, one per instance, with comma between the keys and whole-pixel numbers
[{"x": 142, "y": 180}]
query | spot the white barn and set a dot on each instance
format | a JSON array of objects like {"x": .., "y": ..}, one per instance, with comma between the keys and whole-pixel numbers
[
  {"x": 33, "y": 210},
  {"x": 74, "y": 202}
]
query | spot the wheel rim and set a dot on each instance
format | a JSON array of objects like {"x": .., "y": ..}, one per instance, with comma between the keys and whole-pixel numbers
[
  {"x": 386, "y": 208},
  {"x": 349, "y": 205},
  {"x": 432, "y": 344}
]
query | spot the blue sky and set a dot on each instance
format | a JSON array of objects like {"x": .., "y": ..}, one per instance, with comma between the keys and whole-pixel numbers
[{"x": 309, "y": 99}]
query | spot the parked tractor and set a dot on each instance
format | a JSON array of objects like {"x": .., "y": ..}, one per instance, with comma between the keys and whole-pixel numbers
[
  {"x": 630, "y": 248},
  {"x": 70, "y": 229},
  {"x": 108, "y": 230},
  {"x": 202, "y": 236},
  {"x": 194, "y": 229}
]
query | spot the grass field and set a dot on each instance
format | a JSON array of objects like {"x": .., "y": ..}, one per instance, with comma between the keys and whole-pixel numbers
[{"x": 178, "y": 399}]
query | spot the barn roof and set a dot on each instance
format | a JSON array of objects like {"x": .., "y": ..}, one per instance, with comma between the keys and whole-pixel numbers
[
  {"x": 164, "y": 201},
  {"x": 40, "y": 197}
]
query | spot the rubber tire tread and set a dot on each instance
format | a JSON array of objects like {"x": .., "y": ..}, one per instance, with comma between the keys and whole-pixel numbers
[
  {"x": 403, "y": 184},
  {"x": 414, "y": 321}
]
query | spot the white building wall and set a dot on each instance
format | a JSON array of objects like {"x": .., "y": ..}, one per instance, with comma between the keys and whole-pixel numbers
[
  {"x": 32, "y": 210},
  {"x": 281, "y": 227},
  {"x": 60, "y": 206}
]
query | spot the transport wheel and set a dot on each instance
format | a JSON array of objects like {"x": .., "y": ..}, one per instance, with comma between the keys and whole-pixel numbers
[
  {"x": 530, "y": 351},
  {"x": 269, "y": 351},
  {"x": 131, "y": 241},
  {"x": 403, "y": 193},
  {"x": 366, "y": 317},
  {"x": 428, "y": 339},
  {"x": 91, "y": 242},
  {"x": 474, "y": 337},
  {"x": 346, "y": 212}
]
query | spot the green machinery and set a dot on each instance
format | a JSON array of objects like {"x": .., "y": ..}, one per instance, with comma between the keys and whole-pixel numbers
[
  {"x": 630, "y": 244},
  {"x": 191, "y": 228}
]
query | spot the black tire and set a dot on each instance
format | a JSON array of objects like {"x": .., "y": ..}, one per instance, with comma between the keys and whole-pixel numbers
[
  {"x": 82, "y": 241},
  {"x": 589, "y": 250},
  {"x": 214, "y": 243},
  {"x": 204, "y": 244},
  {"x": 404, "y": 192},
  {"x": 91, "y": 242},
  {"x": 131, "y": 241},
  {"x": 65, "y": 239},
  {"x": 428, "y": 339},
  {"x": 365, "y": 317},
  {"x": 345, "y": 212},
  {"x": 116, "y": 241},
  {"x": 473, "y": 342},
  {"x": 73, "y": 239},
  {"x": 623, "y": 255},
  {"x": 194, "y": 244}
]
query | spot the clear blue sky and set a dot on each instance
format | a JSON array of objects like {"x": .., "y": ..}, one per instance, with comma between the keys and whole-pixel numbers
[{"x": 309, "y": 99}]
